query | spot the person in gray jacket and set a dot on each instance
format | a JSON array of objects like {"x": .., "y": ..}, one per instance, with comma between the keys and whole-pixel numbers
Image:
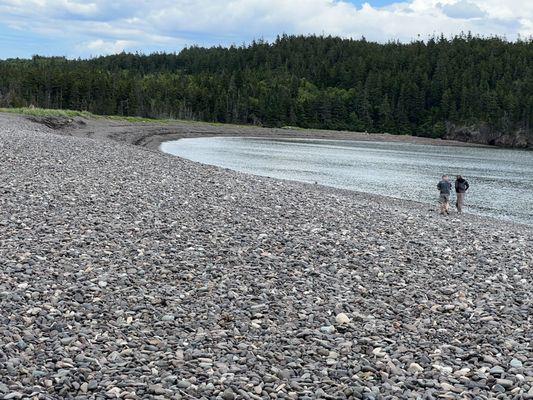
[
  {"x": 444, "y": 187},
  {"x": 461, "y": 186}
]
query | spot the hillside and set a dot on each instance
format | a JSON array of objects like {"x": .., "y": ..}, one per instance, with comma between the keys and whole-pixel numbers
[{"x": 466, "y": 88}]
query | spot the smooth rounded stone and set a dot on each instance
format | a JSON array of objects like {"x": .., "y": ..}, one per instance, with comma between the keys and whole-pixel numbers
[
  {"x": 506, "y": 383},
  {"x": 185, "y": 277},
  {"x": 415, "y": 368},
  {"x": 329, "y": 329},
  {"x": 183, "y": 384},
  {"x": 498, "y": 388},
  {"x": 13, "y": 395},
  {"x": 447, "y": 387},
  {"x": 228, "y": 394},
  {"x": 443, "y": 368},
  {"x": 462, "y": 372},
  {"x": 342, "y": 319},
  {"x": 158, "y": 389},
  {"x": 113, "y": 393},
  {"x": 378, "y": 352},
  {"x": 515, "y": 363},
  {"x": 497, "y": 370},
  {"x": 38, "y": 374}
]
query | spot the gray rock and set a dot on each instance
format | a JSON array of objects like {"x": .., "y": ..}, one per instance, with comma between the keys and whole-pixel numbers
[
  {"x": 127, "y": 272},
  {"x": 497, "y": 370},
  {"x": 183, "y": 384},
  {"x": 228, "y": 394},
  {"x": 506, "y": 383}
]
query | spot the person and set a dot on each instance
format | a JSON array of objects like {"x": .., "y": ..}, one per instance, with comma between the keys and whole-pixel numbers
[
  {"x": 444, "y": 187},
  {"x": 461, "y": 186}
]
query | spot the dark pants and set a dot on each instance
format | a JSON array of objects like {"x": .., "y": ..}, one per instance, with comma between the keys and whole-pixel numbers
[{"x": 460, "y": 201}]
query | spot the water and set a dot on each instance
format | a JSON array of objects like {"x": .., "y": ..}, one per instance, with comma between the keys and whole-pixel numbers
[{"x": 501, "y": 181}]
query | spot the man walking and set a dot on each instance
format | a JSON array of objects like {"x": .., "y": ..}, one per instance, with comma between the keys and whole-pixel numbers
[
  {"x": 461, "y": 186},
  {"x": 444, "y": 187}
]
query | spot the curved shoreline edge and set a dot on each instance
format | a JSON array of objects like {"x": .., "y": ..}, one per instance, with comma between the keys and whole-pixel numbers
[
  {"x": 129, "y": 273},
  {"x": 151, "y": 135}
]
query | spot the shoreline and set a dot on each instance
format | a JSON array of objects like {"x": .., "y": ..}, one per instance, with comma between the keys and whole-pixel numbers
[
  {"x": 151, "y": 135},
  {"x": 126, "y": 272}
]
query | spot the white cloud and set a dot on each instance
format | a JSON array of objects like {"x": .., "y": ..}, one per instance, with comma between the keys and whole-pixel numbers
[
  {"x": 104, "y": 26},
  {"x": 463, "y": 9},
  {"x": 100, "y": 46}
]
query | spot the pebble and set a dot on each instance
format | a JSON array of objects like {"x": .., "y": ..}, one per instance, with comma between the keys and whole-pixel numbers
[
  {"x": 128, "y": 273},
  {"x": 497, "y": 370},
  {"x": 183, "y": 384},
  {"x": 342, "y": 319},
  {"x": 328, "y": 329},
  {"x": 415, "y": 368},
  {"x": 506, "y": 383},
  {"x": 228, "y": 394}
]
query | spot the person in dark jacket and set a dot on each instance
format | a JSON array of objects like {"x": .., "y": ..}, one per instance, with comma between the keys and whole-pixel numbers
[
  {"x": 444, "y": 187},
  {"x": 461, "y": 186}
]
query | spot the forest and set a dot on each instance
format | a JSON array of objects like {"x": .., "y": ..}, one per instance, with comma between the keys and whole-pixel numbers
[{"x": 321, "y": 82}]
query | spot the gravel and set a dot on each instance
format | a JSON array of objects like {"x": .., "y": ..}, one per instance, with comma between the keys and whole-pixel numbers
[{"x": 127, "y": 273}]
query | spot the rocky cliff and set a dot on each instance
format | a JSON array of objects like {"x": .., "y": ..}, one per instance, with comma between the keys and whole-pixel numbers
[{"x": 484, "y": 134}]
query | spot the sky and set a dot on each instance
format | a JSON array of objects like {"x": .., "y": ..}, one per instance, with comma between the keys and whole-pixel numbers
[{"x": 75, "y": 28}]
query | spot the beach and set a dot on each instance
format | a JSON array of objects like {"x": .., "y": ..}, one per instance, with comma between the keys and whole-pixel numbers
[{"x": 129, "y": 273}]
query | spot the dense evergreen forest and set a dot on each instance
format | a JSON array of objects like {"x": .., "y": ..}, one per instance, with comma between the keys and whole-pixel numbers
[{"x": 306, "y": 81}]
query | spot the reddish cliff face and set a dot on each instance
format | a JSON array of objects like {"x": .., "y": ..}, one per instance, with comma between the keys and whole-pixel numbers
[{"x": 483, "y": 134}]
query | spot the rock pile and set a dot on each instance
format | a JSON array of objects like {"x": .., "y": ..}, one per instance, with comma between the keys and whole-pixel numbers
[{"x": 127, "y": 273}]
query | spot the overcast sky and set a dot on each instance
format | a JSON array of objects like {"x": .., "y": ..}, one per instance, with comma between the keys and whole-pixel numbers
[{"x": 76, "y": 28}]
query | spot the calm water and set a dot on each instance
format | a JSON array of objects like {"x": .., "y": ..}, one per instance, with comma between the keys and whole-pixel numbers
[{"x": 501, "y": 180}]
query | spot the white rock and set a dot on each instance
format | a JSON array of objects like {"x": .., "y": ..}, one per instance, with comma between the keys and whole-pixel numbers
[
  {"x": 342, "y": 319},
  {"x": 462, "y": 372},
  {"x": 443, "y": 368},
  {"x": 415, "y": 368},
  {"x": 379, "y": 352}
]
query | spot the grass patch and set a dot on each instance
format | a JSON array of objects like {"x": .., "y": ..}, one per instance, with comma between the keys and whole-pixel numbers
[
  {"x": 42, "y": 112},
  {"x": 45, "y": 112}
]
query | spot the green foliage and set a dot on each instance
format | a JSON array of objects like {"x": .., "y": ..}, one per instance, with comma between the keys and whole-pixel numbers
[
  {"x": 41, "y": 112},
  {"x": 305, "y": 81}
]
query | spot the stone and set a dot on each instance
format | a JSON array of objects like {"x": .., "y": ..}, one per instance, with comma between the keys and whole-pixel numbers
[
  {"x": 128, "y": 273},
  {"x": 506, "y": 383},
  {"x": 498, "y": 388},
  {"x": 184, "y": 384},
  {"x": 228, "y": 394},
  {"x": 342, "y": 319},
  {"x": 328, "y": 329},
  {"x": 496, "y": 370},
  {"x": 378, "y": 352},
  {"x": 415, "y": 368}
]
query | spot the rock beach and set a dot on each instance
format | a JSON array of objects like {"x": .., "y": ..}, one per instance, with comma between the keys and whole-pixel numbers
[{"x": 128, "y": 273}]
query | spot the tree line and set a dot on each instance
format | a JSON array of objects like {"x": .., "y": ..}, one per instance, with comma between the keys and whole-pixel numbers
[{"x": 307, "y": 81}]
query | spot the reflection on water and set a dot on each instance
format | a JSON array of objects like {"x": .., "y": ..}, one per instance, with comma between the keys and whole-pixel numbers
[{"x": 501, "y": 180}]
